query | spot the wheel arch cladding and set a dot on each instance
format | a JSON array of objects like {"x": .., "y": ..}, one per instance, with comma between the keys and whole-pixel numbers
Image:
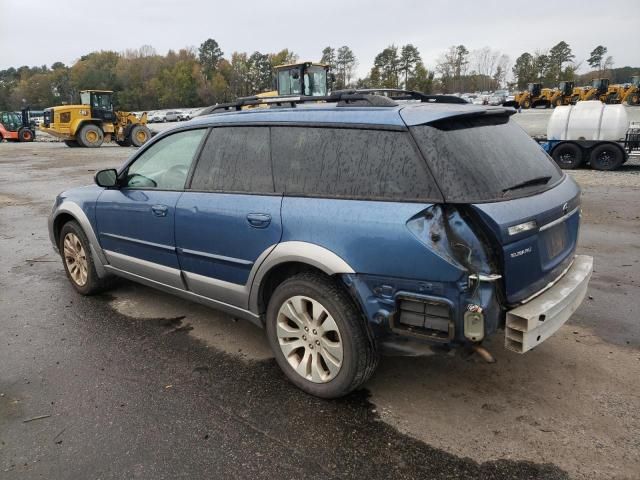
[
  {"x": 292, "y": 257},
  {"x": 68, "y": 211}
]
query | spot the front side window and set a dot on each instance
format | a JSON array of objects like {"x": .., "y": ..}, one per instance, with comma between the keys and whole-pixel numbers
[
  {"x": 350, "y": 163},
  {"x": 235, "y": 159},
  {"x": 165, "y": 165}
]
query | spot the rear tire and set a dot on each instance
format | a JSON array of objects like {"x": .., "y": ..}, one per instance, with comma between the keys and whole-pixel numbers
[
  {"x": 139, "y": 135},
  {"x": 606, "y": 157},
  {"x": 568, "y": 156},
  {"x": 318, "y": 336},
  {"x": 526, "y": 104},
  {"x": 634, "y": 99},
  {"x": 90, "y": 136},
  {"x": 78, "y": 263}
]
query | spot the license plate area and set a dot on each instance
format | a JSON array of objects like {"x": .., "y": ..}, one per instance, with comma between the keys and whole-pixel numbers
[{"x": 555, "y": 240}]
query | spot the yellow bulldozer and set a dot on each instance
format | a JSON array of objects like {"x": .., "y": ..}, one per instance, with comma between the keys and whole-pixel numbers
[
  {"x": 628, "y": 93},
  {"x": 94, "y": 121}
]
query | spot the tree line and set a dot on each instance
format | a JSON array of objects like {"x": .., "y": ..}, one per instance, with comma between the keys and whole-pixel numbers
[{"x": 142, "y": 79}]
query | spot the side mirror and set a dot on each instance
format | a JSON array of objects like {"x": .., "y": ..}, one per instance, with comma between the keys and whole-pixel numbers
[{"x": 107, "y": 178}]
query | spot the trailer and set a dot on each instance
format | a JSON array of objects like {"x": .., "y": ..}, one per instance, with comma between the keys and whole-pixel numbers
[{"x": 591, "y": 133}]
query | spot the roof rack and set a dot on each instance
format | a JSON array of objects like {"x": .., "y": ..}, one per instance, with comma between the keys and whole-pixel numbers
[
  {"x": 400, "y": 94},
  {"x": 343, "y": 98},
  {"x": 370, "y": 97}
]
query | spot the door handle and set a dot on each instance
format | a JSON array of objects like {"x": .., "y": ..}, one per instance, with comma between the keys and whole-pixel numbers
[
  {"x": 160, "y": 210},
  {"x": 259, "y": 220}
]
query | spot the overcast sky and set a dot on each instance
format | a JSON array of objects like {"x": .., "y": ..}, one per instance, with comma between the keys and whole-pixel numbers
[{"x": 38, "y": 32}]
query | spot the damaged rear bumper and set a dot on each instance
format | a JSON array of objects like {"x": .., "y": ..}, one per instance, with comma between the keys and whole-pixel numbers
[{"x": 533, "y": 322}]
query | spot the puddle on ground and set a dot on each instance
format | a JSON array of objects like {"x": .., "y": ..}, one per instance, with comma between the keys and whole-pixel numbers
[{"x": 218, "y": 330}]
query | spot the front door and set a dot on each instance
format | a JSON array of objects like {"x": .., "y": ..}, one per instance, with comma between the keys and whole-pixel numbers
[
  {"x": 136, "y": 221},
  {"x": 230, "y": 215}
]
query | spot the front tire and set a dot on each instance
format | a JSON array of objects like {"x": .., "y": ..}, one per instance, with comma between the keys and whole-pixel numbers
[
  {"x": 318, "y": 336},
  {"x": 139, "y": 135},
  {"x": 78, "y": 263},
  {"x": 25, "y": 135}
]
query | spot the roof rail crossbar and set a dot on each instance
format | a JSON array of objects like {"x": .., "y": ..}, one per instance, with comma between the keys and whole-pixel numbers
[
  {"x": 343, "y": 98},
  {"x": 401, "y": 94}
]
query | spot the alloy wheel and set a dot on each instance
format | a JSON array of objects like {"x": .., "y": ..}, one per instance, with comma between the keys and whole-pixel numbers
[
  {"x": 75, "y": 258},
  {"x": 309, "y": 339}
]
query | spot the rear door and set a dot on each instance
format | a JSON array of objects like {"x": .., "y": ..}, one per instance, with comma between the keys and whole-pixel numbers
[
  {"x": 136, "y": 221},
  {"x": 230, "y": 215}
]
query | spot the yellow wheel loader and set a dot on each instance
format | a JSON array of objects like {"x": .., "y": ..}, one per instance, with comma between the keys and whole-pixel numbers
[
  {"x": 533, "y": 96},
  {"x": 628, "y": 93},
  {"x": 94, "y": 121},
  {"x": 597, "y": 90},
  {"x": 563, "y": 95},
  {"x": 305, "y": 78}
]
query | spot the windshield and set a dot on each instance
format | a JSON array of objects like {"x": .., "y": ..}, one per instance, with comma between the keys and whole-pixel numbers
[
  {"x": 101, "y": 100},
  {"x": 485, "y": 159},
  {"x": 289, "y": 82}
]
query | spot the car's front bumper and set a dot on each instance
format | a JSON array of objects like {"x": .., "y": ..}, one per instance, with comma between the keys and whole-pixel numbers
[{"x": 533, "y": 322}]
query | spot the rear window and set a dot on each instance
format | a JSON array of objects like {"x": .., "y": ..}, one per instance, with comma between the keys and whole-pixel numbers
[
  {"x": 485, "y": 159},
  {"x": 350, "y": 163}
]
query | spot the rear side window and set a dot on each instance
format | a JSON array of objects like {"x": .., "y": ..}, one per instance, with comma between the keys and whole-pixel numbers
[
  {"x": 485, "y": 159},
  {"x": 350, "y": 163},
  {"x": 235, "y": 159}
]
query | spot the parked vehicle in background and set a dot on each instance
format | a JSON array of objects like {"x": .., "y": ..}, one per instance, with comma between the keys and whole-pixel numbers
[
  {"x": 16, "y": 127},
  {"x": 172, "y": 116},
  {"x": 184, "y": 115},
  {"x": 591, "y": 133},
  {"x": 158, "y": 116},
  {"x": 498, "y": 97},
  {"x": 457, "y": 225},
  {"x": 95, "y": 121}
]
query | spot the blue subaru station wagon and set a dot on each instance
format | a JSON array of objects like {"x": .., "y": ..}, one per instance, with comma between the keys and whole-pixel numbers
[{"x": 345, "y": 228}]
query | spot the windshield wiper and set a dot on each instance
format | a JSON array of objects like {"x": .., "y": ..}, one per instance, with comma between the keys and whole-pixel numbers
[{"x": 528, "y": 183}]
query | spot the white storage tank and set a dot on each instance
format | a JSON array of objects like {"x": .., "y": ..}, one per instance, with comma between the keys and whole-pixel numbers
[{"x": 589, "y": 120}]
